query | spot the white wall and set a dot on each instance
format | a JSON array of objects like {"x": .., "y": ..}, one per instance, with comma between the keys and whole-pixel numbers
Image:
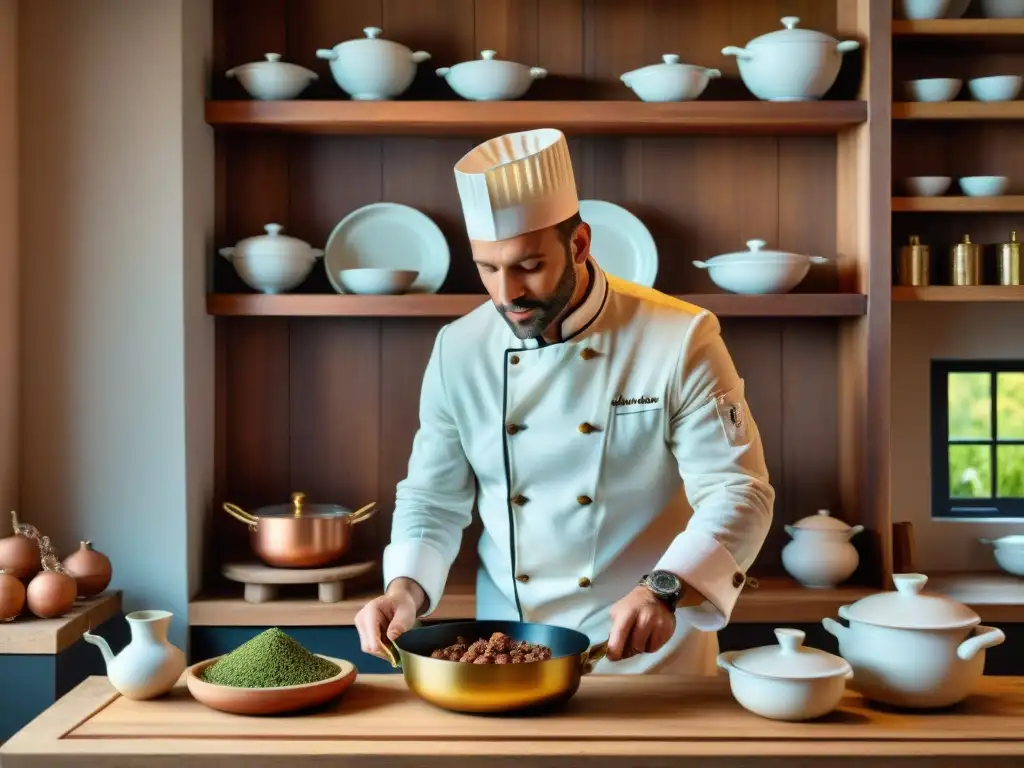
[
  {"x": 921, "y": 332},
  {"x": 117, "y": 357},
  {"x": 8, "y": 259}
]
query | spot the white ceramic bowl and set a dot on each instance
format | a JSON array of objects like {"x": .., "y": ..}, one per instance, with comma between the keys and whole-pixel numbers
[
  {"x": 923, "y": 9},
  {"x": 273, "y": 79},
  {"x": 757, "y": 271},
  {"x": 491, "y": 79},
  {"x": 995, "y": 88},
  {"x": 927, "y": 186},
  {"x": 1002, "y": 9},
  {"x": 670, "y": 80},
  {"x": 1008, "y": 552},
  {"x": 933, "y": 89},
  {"x": 272, "y": 273},
  {"x": 984, "y": 186},
  {"x": 377, "y": 282}
]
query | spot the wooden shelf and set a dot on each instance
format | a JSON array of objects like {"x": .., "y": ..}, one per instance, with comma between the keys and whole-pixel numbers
[
  {"x": 461, "y": 118},
  {"x": 30, "y": 635},
  {"x": 957, "y": 204},
  {"x": 963, "y": 293},
  {"x": 958, "y": 27},
  {"x": 456, "y": 305},
  {"x": 996, "y": 597},
  {"x": 774, "y": 600},
  {"x": 958, "y": 110}
]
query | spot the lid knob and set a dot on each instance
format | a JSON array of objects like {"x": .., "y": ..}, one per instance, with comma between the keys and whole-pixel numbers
[
  {"x": 966, "y": 240},
  {"x": 297, "y": 501},
  {"x": 670, "y": 58},
  {"x": 275, "y": 57},
  {"x": 273, "y": 229},
  {"x": 790, "y": 640},
  {"x": 915, "y": 240},
  {"x": 756, "y": 245},
  {"x": 1013, "y": 236},
  {"x": 824, "y": 512},
  {"x": 790, "y": 21},
  {"x": 909, "y": 584},
  {"x": 488, "y": 55},
  {"x": 372, "y": 32}
]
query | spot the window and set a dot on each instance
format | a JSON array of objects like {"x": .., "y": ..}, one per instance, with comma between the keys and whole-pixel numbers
[{"x": 977, "y": 438}]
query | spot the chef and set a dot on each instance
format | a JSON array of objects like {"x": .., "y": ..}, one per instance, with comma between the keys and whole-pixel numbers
[{"x": 599, "y": 427}]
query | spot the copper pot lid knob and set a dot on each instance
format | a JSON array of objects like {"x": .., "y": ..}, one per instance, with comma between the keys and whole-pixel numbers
[{"x": 298, "y": 499}]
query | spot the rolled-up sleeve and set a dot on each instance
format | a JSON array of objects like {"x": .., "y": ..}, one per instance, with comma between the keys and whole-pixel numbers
[
  {"x": 718, "y": 449},
  {"x": 434, "y": 503}
]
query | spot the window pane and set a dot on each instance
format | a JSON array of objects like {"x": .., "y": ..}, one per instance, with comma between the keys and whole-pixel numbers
[
  {"x": 970, "y": 472},
  {"x": 1010, "y": 405},
  {"x": 970, "y": 406},
  {"x": 1010, "y": 468}
]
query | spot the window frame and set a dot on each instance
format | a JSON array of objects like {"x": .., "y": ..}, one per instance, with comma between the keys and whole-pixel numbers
[{"x": 944, "y": 507}]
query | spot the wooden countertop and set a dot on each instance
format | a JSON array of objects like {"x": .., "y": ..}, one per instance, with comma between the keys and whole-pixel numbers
[
  {"x": 30, "y": 635},
  {"x": 654, "y": 719}
]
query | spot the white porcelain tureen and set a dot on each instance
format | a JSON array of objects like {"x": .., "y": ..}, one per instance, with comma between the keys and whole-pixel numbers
[
  {"x": 790, "y": 64},
  {"x": 491, "y": 79},
  {"x": 787, "y": 681},
  {"x": 372, "y": 69},
  {"x": 820, "y": 554},
  {"x": 272, "y": 263},
  {"x": 670, "y": 80},
  {"x": 757, "y": 270},
  {"x": 913, "y": 649},
  {"x": 272, "y": 79},
  {"x": 1008, "y": 552}
]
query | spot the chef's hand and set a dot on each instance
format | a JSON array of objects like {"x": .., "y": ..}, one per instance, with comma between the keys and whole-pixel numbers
[
  {"x": 391, "y": 614},
  {"x": 641, "y": 623}
]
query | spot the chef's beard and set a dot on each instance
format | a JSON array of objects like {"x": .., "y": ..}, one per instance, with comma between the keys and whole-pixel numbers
[{"x": 548, "y": 310}]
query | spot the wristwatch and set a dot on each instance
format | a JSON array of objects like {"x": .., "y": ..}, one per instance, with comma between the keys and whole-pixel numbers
[{"x": 665, "y": 586}]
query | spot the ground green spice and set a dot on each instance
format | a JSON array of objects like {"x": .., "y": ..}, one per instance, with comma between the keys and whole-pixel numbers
[{"x": 270, "y": 660}]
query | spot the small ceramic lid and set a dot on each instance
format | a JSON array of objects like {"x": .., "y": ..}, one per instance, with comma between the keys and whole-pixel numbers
[
  {"x": 756, "y": 253},
  {"x": 790, "y": 34},
  {"x": 823, "y": 521},
  {"x": 273, "y": 243},
  {"x": 909, "y": 607},
  {"x": 1015, "y": 540},
  {"x": 273, "y": 63},
  {"x": 790, "y": 659}
]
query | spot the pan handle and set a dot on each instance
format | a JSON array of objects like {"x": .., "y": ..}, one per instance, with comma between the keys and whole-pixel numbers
[
  {"x": 240, "y": 514},
  {"x": 363, "y": 514},
  {"x": 593, "y": 655}
]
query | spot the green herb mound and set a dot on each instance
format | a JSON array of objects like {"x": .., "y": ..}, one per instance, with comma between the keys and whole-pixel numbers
[{"x": 270, "y": 660}]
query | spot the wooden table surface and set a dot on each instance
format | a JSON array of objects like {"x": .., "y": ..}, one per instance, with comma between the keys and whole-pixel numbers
[{"x": 613, "y": 720}]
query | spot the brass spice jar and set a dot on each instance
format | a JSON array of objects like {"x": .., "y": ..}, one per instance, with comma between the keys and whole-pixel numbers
[
  {"x": 915, "y": 263},
  {"x": 965, "y": 263},
  {"x": 1009, "y": 261}
]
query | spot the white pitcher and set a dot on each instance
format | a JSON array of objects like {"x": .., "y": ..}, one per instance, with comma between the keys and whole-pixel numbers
[{"x": 149, "y": 666}]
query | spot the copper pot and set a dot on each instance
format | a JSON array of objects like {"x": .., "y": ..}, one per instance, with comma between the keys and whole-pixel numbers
[{"x": 301, "y": 535}]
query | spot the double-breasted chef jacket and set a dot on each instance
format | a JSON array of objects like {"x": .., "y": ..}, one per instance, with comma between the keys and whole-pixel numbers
[{"x": 624, "y": 448}]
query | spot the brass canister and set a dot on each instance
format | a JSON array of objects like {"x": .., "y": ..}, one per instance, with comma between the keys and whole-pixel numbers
[
  {"x": 915, "y": 263},
  {"x": 965, "y": 263},
  {"x": 1009, "y": 261}
]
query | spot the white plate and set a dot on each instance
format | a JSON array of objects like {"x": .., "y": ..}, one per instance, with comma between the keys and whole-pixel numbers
[
  {"x": 620, "y": 243},
  {"x": 389, "y": 236}
]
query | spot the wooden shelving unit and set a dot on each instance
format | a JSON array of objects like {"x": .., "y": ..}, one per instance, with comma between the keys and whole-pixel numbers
[
  {"x": 957, "y": 204},
  {"x": 958, "y": 293},
  {"x": 958, "y": 28},
  {"x": 459, "y": 118},
  {"x": 29, "y": 635},
  {"x": 958, "y": 110},
  {"x": 456, "y": 305}
]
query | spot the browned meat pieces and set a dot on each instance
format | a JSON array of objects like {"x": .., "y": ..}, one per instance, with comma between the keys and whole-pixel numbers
[{"x": 498, "y": 649}]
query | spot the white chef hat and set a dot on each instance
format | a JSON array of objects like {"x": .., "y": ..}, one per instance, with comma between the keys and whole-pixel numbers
[{"x": 516, "y": 183}]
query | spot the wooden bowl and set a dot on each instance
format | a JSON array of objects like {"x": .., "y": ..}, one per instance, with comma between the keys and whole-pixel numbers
[{"x": 268, "y": 701}]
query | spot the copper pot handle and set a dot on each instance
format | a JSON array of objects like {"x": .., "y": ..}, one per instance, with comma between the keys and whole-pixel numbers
[
  {"x": 593, "y": 655},
  {"x": 363, "y": 514},
  {"x": 240, "y": 514},
  {"x": 391, "y": 653}
]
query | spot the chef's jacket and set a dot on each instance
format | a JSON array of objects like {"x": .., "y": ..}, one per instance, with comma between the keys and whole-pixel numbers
[{"x": 576, "y": 455}]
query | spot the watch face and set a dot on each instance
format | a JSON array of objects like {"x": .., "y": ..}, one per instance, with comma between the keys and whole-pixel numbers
[{"x": 665, "y": 583}]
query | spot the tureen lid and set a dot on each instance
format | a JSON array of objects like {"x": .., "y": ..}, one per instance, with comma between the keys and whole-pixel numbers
[
  {"x": 300, "y": 508},
  {"x": 790, "y": 659},
  {"x": 273, "y": 242},
  {"x": 909, "y": 607},
  {"x": 822, "y": 521},
  {"x": 756, "y": 252},
  {"x": 1010, "y": 540},
  {"x": 273, "y": 62},
  {"x": 791, "y": 35}
]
